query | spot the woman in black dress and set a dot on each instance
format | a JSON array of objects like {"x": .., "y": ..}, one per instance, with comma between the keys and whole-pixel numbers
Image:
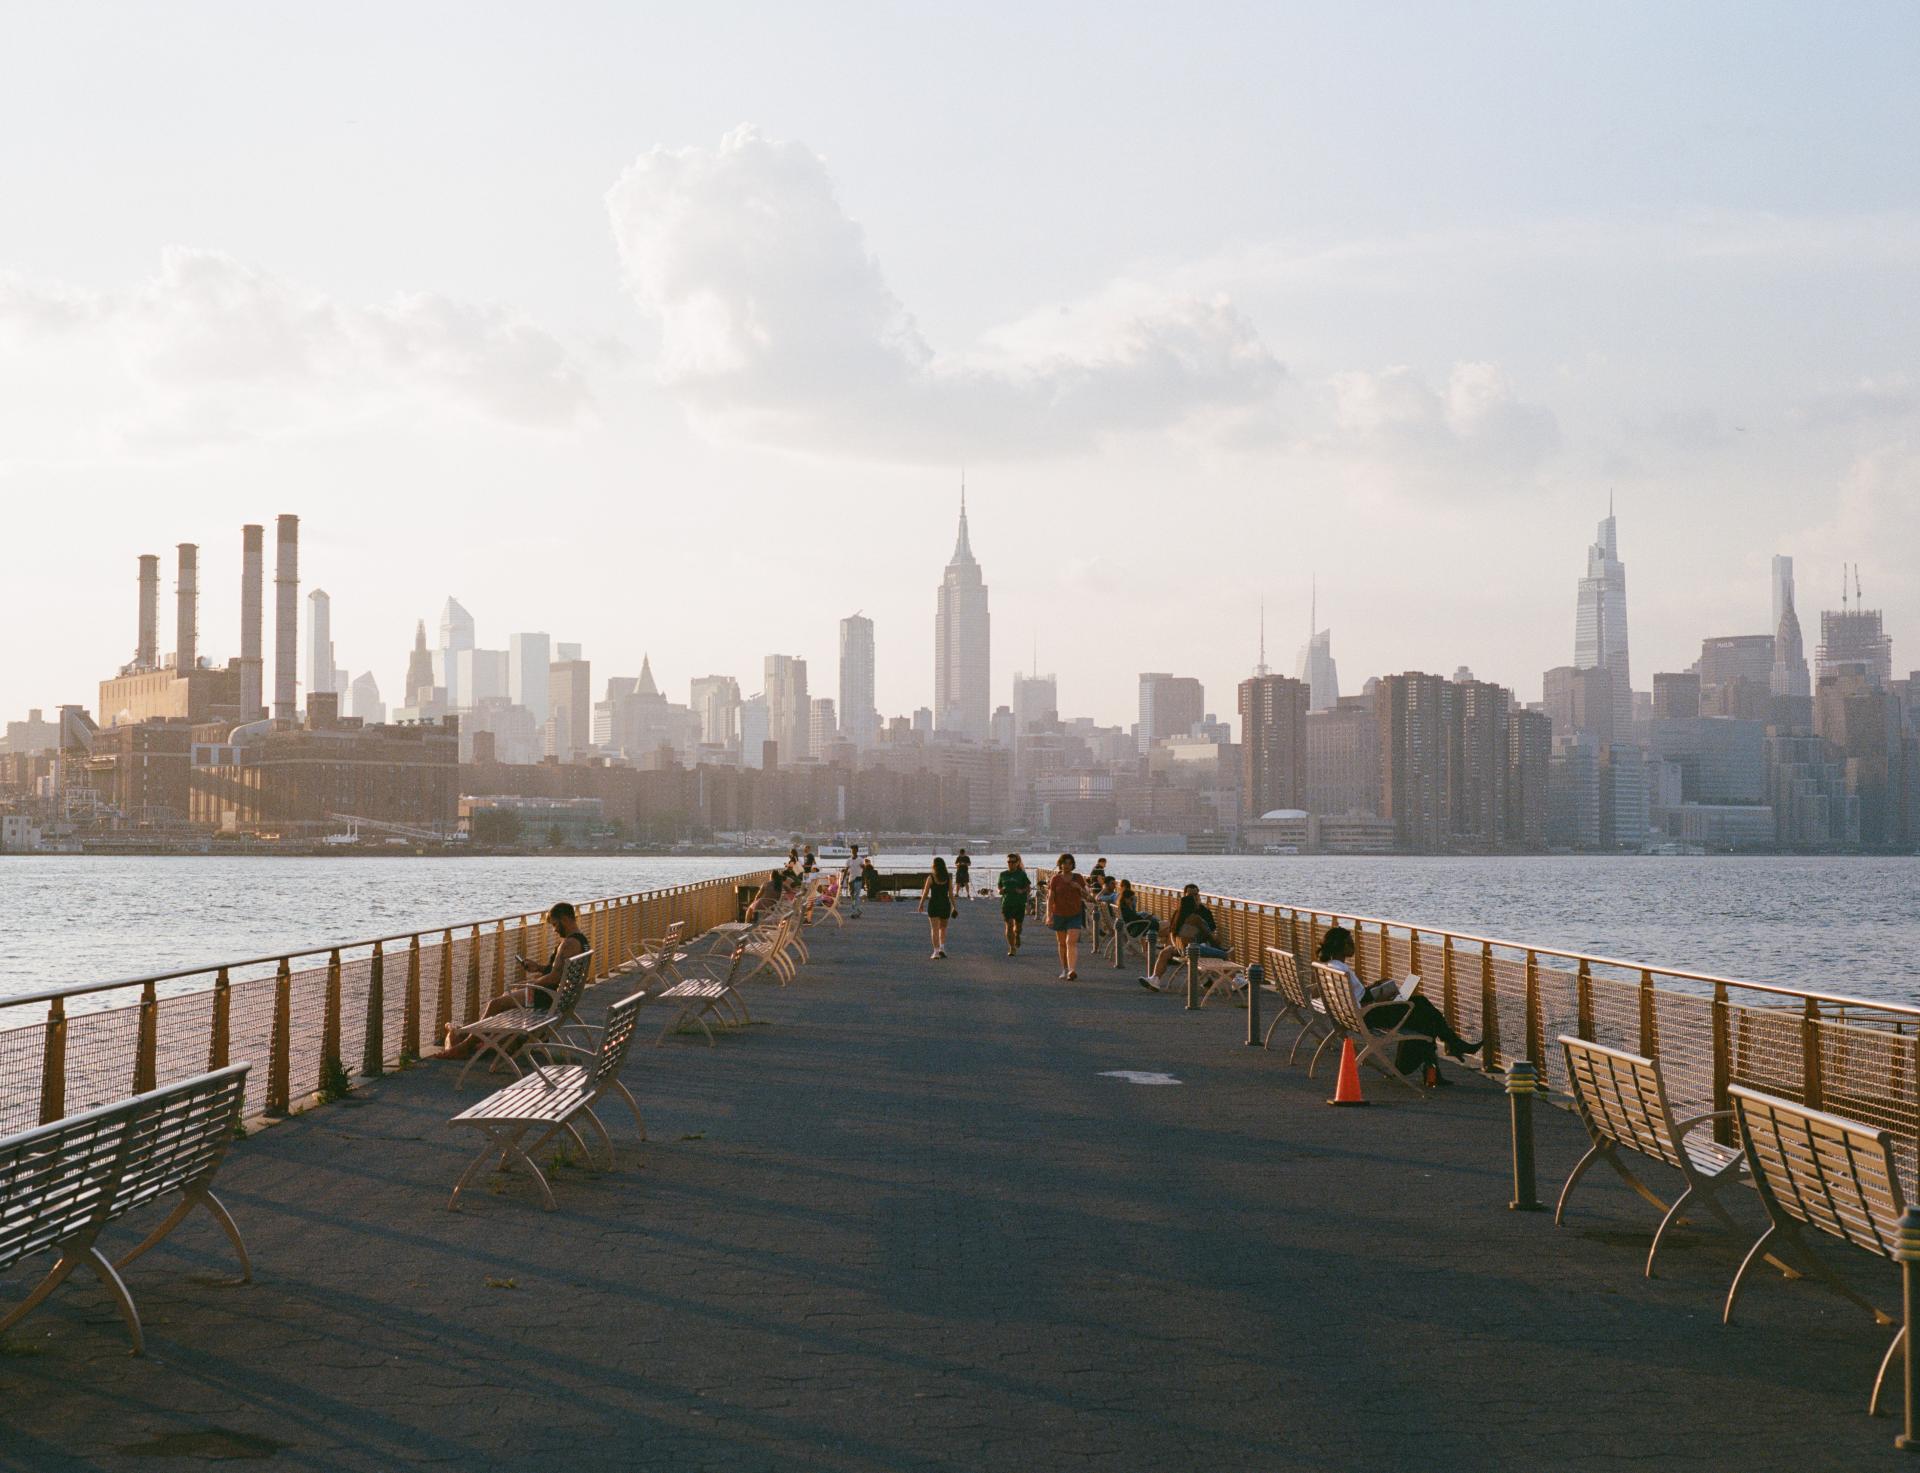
[{"x": 936, "y": 899}]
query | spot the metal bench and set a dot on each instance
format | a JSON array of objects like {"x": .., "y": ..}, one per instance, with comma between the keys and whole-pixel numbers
[
  {"x": 1347, "y": 1019},
  {"x": 1622, "y": 1100},
  {"x": 1127, "y": 934},
  {"x": 527, "y": 1028},
  {"x": 63, "y": 1184},
  {"x": 660, "y": 956},
  {"x": 550, "y": 1100},
  {"x": 698, "y": 998},
  {"x": 1823, "y": 1171},
  {"x": 1296, "y": 1005}
]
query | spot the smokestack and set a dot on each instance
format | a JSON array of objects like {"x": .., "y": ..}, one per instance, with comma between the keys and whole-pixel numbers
[
  {"x": 286, "y": 615},
  {"x": 251, "y": 575},
  {"x": 147, "y": 654},
  {"x": 186, "y": 596}
]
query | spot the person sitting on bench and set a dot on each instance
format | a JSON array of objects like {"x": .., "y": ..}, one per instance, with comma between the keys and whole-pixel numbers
[
  {"x": 1415, "y": 1015},
  {"x": 1193, "y": 925}
]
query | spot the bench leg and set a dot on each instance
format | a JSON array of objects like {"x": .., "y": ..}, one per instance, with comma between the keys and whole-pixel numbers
[
  {"x": 56, "y": 1276},
  {"x": 1754, "y": 1255},
  {"x": 1579, "y": 1170},
  {"x": 216, "y": 1210},
  {"x": 1666, "y": 1222},
  {"x": 71, "y": 1259},
  {"x": 1899, "y": 1345}
]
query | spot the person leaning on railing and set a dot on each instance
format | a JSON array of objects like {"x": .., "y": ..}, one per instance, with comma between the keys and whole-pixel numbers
[
  {"x": 1416, "y": 1015},
  {"x": 538, "y": 984}
]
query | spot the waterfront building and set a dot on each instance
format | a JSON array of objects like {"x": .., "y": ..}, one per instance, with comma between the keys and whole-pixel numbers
[
  {"x": 529, "y": 657},
  {"x": 1343, "y": 758},
  {"x": 570, "y": 708},
  {"x": 1860, "y": 721},
  {"x": 1529, "y": 754},
  {"x": 295, "y": 781},
  {"x": 1415, "y": 712},
  {"x": 1476, "y": 765},
  {"x": 789, "y": 708},
  {"x": 1582, "y": 701},
  {"x": 858, "y": 718},
  {"x": 962, "y": 644},
  {"x": 1573, "y": 793},
  {"x": 319, "y": 642},
  {"x": 1170, "y": 705},
  {"x": 456, "y": 634},
  {"x": 1273, "y": 743},
  {"x": 420, "y": 677},
  {"x": 1600, "y": 620},
  {"x": 1722, "y": 760},
  {"x": 1625, "y": 799}
]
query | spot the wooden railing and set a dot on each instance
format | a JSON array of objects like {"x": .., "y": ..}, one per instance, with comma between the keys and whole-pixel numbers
[
  {"x": 1854, "y": 1056},
  {"x": 306, "y": 1018}
]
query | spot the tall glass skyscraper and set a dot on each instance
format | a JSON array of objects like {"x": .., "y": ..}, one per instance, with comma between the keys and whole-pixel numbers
[
  {"x": 1600, "y": 619},
  {"x": 962, "y": 659},
  {"x": 858, "y": 720}
]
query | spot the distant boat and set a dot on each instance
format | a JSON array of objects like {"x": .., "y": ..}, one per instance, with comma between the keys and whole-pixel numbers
[{"x": 1675, "y": 847}]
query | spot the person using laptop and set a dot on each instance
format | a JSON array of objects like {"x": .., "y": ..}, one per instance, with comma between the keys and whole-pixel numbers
[{"x": 1385, "y": 1008}]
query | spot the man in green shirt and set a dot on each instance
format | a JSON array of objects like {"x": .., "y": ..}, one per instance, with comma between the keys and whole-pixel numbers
[{"x": 1015, "y": 886}]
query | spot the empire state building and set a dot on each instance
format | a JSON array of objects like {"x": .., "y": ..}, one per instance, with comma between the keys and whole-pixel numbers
[{"x": 961, "y": 646}]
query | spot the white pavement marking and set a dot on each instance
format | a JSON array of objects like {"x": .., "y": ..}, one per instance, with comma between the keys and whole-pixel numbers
[{"x": 1138, "y": 1076}]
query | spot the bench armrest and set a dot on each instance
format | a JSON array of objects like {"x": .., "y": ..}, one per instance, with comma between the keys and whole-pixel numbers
[{"x": 1681, "y": 1127}]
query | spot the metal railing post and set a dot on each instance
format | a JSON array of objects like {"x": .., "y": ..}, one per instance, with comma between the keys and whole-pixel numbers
[
  {"x": 443, "y": 1003},
  {"x": 1522, "y": 1082},
  {"x": 330, "y": 1067},
  {"x": 1489, "y": 1010},
  {"x": 1536, "y": 1020},
  {"x": 1907, "y": 1252},
  {"x": 373, "y": 1050},
  {"x": 53, "y": 1064},
  {"x": 1814, "y": 1084},
  {"x": 219, "y": 1045},
  {"x": 280, "y": 1045},
  {"x": 473, "y": 975},
  {"x": 1722, "y": 1065},
  {"x": 410, "y": 1011},
  {"x": 1649, "y": 1017},
  {"x": 1449, "y": 997},
  {"x": 499, "y": 957},
  {"x": 1256, "y": 979},
  {"x": 147, "y": 1047},
  {"x": 1583, "y": 1001}
]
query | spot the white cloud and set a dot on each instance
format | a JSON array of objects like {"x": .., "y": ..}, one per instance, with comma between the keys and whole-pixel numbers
[
  {"x": 210, "y": 349},
  {"x": 778, "y": 326}
]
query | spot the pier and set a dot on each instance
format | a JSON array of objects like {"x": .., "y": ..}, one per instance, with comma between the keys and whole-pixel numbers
[{"x": 913, "y": 1217}]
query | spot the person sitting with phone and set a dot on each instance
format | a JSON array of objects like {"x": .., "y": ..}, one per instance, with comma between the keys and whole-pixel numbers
[
  {"x": 1193, "y": 926},
  {"x": 538, "y": 983}
]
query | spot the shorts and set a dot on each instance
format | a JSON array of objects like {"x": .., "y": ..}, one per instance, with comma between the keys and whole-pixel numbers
[
  {"x": 1069, "y": 923},
  {"x": 1013, "y": 910}
]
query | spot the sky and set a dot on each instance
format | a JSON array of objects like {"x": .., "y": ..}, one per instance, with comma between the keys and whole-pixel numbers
[{"x": 672, "y": 329}]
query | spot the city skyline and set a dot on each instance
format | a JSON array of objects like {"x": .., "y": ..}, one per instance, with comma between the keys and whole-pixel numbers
[{"x": 1440, "y": 334}]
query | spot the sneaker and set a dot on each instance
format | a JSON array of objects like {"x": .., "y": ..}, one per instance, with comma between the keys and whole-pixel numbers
[
  {"x": 933, "y": 956},
  {"x": 941, "y": 953},
  {"x": 1148, "y": 983},
  {"x": 1073, "y": 976},
  {"x": 1061, "y": 978}
]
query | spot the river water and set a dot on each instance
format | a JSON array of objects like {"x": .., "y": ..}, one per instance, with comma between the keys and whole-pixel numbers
[{"x": 1836, "y": 925}]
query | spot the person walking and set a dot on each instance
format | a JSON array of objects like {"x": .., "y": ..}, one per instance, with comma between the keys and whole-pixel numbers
[
  {"x": 1015, "y": 887},
  {"x": 936, "y": 899},
  {"x": 851, "y": 878},
  {"x": 962, "y": 871},
  {"x": 1067, "y": 914}
]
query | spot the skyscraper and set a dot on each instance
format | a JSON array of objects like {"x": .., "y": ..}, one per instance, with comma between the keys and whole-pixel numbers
[
  {"x": 1789, "y": 677},
  {"x": 367, "y": 705},
  {"x": 858, "y": 719},
  {"x": 528, "y": 657},
  {"x": 789, "y": 710},
  {"x": 1853, "y": 640},
  {"x": 716, "y": 702},
  {"x": 456, "y": 634},
  {"x": 570, "y": 714},
  {"x": 1415, "y": 711},
  {"x": 1170, "y": 705},
  {"x": 1600, "y": 619},
  {"x": 1316, "y": 666},
  {"x": 419, "y": 669},
  {"x": 1782, "y": 587},
  {"x": 822, "y": 728},
  {"x": 1273, "y": 744},
  {"x": 962, "y": 655},
  {"x": 319, "y": 642},
  {"x": 1035, "y": 698}
]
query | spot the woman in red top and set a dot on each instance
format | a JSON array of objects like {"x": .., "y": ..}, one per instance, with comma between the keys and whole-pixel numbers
[{"x": 1067, "y": 913}]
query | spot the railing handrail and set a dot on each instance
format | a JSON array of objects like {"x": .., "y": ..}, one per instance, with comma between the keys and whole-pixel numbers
[
  {"x": 82, "y": 989},
  {"x": 1903, "y": 1010}
]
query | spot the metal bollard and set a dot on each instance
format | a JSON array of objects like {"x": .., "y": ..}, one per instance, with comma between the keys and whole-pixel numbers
[
  {"x": 1256, "y": 979},
  {"x": 1907, "y": 1252},
  {"x": 1193, "y": 978},
  {"x": 1523, "y": 1082}
]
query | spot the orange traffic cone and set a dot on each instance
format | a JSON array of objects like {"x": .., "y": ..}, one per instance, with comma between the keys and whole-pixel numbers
[{"x": 1347, "y": 1091}]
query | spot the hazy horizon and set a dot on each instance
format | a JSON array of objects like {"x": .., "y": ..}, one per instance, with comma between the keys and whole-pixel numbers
[{"x": 720, "y": 303}]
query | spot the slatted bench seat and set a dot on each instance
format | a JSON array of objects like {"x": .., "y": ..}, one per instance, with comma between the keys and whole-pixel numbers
[
  {"x": 660, "y": 956},
  {"x": 526, "y": 1029},
  {"x": 63, "y": 1184},
  {"x": 698, "y": 998},
  {"x": 1296, "y": 1008},
  {"x": 551, "y": 1099},
  {"x": 1827, "y": 1172},
  {"x": 1622, "y": 1100},
  {"x": 1347, "y": 1019}
]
